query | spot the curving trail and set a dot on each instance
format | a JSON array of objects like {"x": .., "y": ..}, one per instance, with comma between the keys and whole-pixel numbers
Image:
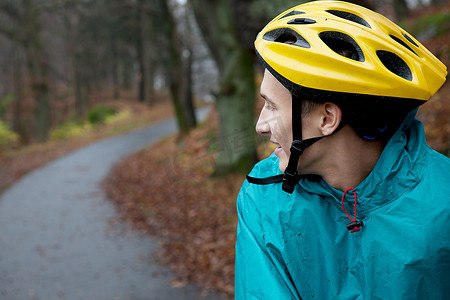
[{"x": 57, "y": 241}]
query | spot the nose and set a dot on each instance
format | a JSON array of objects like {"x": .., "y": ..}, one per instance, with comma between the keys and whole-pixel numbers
[{"x": 262, "y": 126}]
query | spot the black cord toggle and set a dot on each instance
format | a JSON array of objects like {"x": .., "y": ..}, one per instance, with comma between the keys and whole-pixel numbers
[{"x": 355, "y": 226}]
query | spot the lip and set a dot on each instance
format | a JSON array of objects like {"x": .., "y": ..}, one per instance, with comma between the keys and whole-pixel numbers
[{"x": 278, "y": 149}]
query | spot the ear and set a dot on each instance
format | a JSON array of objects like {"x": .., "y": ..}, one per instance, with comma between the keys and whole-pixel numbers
[{"x": 331, "y": 117}]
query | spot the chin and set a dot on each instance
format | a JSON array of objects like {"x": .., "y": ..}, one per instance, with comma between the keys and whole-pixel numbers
[
  {"x": 283, "y": 160},
  {"x": 283, "y": 164}
]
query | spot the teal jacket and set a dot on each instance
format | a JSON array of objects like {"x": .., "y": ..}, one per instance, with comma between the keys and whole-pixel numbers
[{"x": 298, "y": 247}]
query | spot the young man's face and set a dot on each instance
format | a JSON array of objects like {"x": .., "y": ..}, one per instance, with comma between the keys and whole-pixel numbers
[{"x": 275, "y": 119}]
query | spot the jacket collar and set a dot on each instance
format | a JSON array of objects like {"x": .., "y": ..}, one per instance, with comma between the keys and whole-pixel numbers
[{"x": 399, "y": 169}]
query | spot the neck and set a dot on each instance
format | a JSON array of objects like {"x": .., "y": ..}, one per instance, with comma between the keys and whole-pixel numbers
[{"x": 350, "y": 160}]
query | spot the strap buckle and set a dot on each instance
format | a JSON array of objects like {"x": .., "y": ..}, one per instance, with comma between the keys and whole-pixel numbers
[
  {"x": 297, "y": 147},
  {"x": 291, "y": 177},
  {"x": 289, "y": 182}
]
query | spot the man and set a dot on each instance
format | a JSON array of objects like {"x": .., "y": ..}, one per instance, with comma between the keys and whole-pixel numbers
[{"x": 352, "y": 204}]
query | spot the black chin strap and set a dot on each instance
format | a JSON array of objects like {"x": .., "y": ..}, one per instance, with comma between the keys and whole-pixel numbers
[{"x": 291, "y": 177}]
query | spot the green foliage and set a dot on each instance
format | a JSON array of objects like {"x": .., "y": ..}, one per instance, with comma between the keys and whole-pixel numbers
[
  {"x": 99, "y": 114},
  {"x": 432, "y": 26},
  {"x": 70, "y": 129},
  {"x": 4, "y": 104},
  {"x": 7, "y": 136}
]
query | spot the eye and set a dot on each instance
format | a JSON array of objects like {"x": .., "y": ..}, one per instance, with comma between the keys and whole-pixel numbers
[{"x": 269, "y": 106}]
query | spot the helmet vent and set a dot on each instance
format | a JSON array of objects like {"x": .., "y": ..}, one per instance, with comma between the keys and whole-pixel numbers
[
  {"x": 410, "y": 39},
  {"x": 342, "y": 44},
  {"x": 402, "y": 43},
  {"x": 349, "y": 16},
  {"x": 286, "y": 36},
  {"x": 301, "y": 21},
  {"x": 292, "y": 13},
  {"x": 395, "y": 64}
]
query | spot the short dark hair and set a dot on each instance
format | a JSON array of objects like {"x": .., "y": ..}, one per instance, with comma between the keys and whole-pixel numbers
[
  {"x": 308, "y": 106},
  {"x": 371, "y": 120}
]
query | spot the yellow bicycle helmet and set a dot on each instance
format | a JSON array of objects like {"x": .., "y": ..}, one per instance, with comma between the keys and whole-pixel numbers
[
  {"x": 298, "y": 46},
  {"x": 347, "y": 54}
]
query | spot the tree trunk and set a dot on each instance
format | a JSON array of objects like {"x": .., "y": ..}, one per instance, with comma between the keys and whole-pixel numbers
[
  {"x": 115, "y": 69},
  {"x": 80, "y": 97},
  {"x": 189, "y": 108},
  {"x": 235, "y": 103},
  {"x": 37, "y": 70},
  {"x": 18, "y": 123},
  {"x": 149, "y": 84},
  {"x": 175, "y": 86},
  {"x": 140, "y": 51},
  {"x": 236, "y": 95},
  {"x": 76, "y": 78},
  {"x": 149, "y": 60},
  {"x": 174, "y": 70},
  {"x": 126, "y": 71}
]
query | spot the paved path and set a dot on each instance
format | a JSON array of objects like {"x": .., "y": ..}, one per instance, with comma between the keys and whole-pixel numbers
[{"x": 56, "y": 241}]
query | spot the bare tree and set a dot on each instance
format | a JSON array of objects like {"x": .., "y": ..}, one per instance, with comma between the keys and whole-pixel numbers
[{"x": 173, "y": 68}]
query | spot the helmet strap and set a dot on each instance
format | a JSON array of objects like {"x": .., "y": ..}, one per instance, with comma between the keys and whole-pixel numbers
[{"x": 291, "y": 177}]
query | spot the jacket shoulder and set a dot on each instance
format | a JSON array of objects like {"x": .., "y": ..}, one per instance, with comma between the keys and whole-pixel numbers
[
  {"x": 438, "y": 168},
  {"x": 435, "y": 181},
  {"x": 250, "y": 194},
  {"x": 266, "y": 167}
]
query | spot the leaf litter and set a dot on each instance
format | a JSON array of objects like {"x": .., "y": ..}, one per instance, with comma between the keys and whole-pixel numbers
[{"x": 168, "y": 190}]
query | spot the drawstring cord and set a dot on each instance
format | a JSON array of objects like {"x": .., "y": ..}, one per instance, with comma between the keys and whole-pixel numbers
[{"x": 355, "y": 225}]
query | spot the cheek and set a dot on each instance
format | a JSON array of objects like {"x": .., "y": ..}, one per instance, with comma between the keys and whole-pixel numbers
[
  {"x": 275, "y": 125},
  {"x": 281, "y": 122},
  {"x": 285, "y": 131}
]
